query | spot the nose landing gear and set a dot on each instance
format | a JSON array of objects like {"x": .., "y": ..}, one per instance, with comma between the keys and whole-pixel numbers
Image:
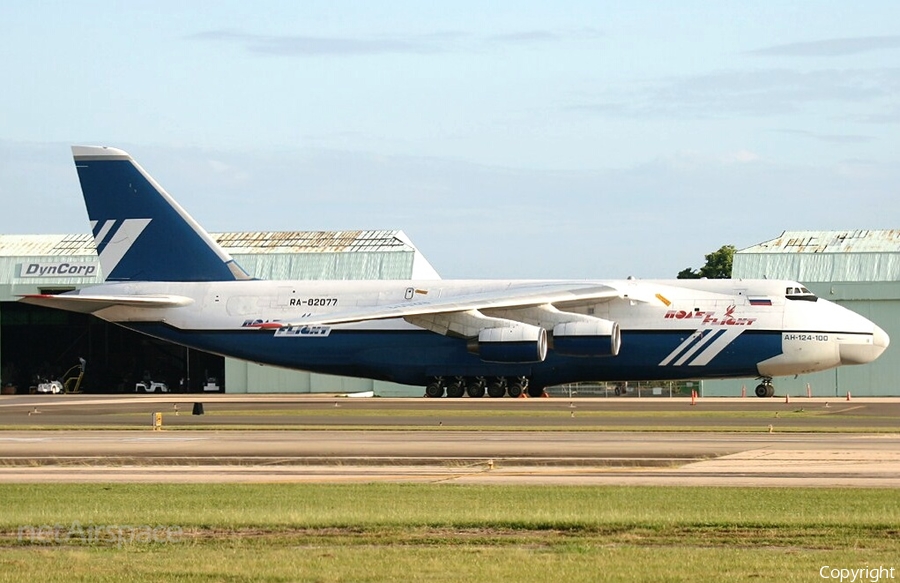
[{"x": 765, "y": 388}]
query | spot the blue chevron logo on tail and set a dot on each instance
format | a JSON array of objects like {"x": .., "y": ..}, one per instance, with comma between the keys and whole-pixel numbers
[
  {"x": 140, "y": 232},
  {"x": 113, "y": 239}
]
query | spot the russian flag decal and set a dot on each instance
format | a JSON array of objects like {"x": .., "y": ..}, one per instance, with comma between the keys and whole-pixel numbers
[{"x": 760, "y": 301}]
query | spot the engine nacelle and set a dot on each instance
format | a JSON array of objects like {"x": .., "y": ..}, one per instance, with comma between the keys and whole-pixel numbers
[
  {"x": 596, "y": 337},
  {"x": 520, "y": 343}
]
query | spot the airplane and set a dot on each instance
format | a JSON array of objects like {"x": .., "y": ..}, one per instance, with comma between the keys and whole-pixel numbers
[{"x": 167, "y": 278}]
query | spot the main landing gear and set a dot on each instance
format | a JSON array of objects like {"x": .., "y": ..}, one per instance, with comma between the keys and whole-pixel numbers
[
  {"x": 476, "y": 387},
  {"x": 765, "y": 388}
]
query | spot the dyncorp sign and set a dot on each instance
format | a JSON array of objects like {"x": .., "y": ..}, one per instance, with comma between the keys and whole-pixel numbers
[{"x": 61, "y": 269}]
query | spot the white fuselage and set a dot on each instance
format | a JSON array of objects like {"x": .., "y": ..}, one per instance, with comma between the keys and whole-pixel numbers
[{"x": 670, "y": 329}]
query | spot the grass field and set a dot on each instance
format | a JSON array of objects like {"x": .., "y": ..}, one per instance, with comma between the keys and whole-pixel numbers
[{"x": 384, "y": 532}]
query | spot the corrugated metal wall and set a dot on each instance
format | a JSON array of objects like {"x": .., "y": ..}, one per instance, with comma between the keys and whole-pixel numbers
[
  {"x": 343, "y": 266},
  {"x": 818, "y": 267}
]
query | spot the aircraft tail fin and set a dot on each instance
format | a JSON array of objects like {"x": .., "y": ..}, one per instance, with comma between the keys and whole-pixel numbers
[{"x": 140, "y": 232}]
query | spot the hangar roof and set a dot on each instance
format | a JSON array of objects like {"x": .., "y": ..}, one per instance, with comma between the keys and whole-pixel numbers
[
  {"x": 861, "y": 241},
  {"x": 46, "y": 245},
  {"x": 259, "y": 242},
  {"x": 823, "y": 256}
]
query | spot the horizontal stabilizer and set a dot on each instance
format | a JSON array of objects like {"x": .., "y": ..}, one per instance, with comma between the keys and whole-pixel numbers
[{"x": 88, "y": 304}]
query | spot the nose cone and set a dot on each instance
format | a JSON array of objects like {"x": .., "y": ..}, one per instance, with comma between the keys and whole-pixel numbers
[{"x": 855, "y": 353}]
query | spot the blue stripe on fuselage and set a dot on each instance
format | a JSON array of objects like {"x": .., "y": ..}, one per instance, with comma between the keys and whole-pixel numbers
[{"x": 412, "y": 356}]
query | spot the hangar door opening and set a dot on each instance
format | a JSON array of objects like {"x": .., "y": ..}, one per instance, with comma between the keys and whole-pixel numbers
[{"x": 39, "y": 343}]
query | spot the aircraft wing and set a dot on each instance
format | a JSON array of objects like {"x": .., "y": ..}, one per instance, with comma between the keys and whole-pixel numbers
[
  {"x": 520, "y": 296},
  {"x": 88, "y": 304}
]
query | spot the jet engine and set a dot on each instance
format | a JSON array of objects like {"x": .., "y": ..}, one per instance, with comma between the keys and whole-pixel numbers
[
  {"x": 594, "y": 337},
  {"x": 518, "y": 343}
]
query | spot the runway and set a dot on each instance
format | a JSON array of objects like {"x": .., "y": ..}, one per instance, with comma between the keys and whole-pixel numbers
[
  {"x": 271, "y": 438},
  {"x": 286, "y": 411},
  {"x": 331, "y": 440}
]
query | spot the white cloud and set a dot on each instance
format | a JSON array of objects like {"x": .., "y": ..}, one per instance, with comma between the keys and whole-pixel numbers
[
  {"x": 751, "y": 93},
  {"x": 830, "y": 138},
  {"x": 218, "y": 166},
  {"x": 832, "y": 47},
  {"x": 740, "y": 157},
  {"x": 303, "y": 45}
]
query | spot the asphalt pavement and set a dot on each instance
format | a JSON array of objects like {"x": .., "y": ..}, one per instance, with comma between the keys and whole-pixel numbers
[{"x": 287, "y": 438}]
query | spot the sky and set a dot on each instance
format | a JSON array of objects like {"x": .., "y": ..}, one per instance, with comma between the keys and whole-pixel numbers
[{"x": 587, "y": 140}]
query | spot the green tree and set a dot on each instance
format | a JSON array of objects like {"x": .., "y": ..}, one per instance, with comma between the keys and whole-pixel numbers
[{"x": 718, "y": 265}]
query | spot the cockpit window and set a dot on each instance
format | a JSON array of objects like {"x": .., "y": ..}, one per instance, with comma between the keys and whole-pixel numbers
[{"x": 799, "y": 293}]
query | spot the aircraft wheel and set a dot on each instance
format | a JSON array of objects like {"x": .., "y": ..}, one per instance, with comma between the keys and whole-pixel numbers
[
  {"x": 535, "y": 391},
  {"x": 475, "y": 388},
  {"x": 456, "y": 388},
  {"x": 765, "y": 390},
  {"x": 435, "y": 389},
  {"x": 516, "y": 386},
  {"x": 496, "y": 388}
]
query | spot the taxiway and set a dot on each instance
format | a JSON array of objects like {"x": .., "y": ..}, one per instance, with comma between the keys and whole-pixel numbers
[{"x": 552, "y": 441}]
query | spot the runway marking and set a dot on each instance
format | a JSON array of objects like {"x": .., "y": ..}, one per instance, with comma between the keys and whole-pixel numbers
[
  {"x": 107, "y": 439},
  {"x": 162, "y": 438},
  {"x": 850, "y": 409}
]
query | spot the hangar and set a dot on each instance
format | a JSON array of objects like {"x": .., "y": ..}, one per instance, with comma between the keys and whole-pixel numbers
[
  {"x": 859, "y": 270},
  {"x": 40, "y": 343}
]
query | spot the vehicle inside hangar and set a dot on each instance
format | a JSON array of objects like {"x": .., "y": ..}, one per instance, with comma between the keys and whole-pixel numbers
[{"x": 49, "y": 343}]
